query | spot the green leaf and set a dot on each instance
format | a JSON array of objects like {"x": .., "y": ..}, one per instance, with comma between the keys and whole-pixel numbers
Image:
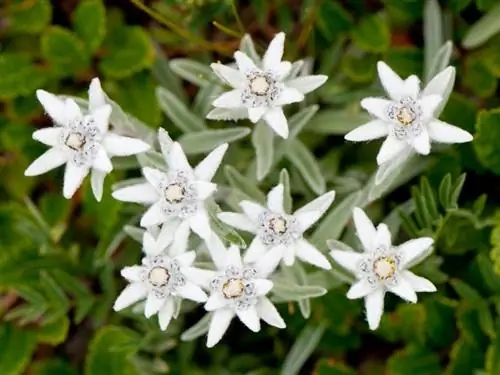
[
  {"x": 166, "y": 77},
  {"x": 198, "y": 329},
  {"x": 444, "y": 191},
  {"x": 129, "y": 50},
  {"x": 243, "y": 184},
  {"x": 415, "y": 361},
  {"x": 302, "y": 348},
  {"x": 134, "y": 232},
  {"x": 333, "y": 20},
  {"x": 290, "y": 292},
  {"x": 53, "y": 367},
  {"x": 262, "y": 141},
  {"x": 18, "y": 346},
  {"x": 487, "y": 139},
  {"x": 337, "y": 122},
  {"x": 32, "y": 19},
  {"x": 455, "y": 191},
  {"x": 300, "y": 119},
  {"x": 177, "y": 111},
  {"x": 89, "y": 22},
  {"x": 204, "y": 98},
  {"x": 465, "y": 357},
  {"x": 493, "y": 353},
  {"x": 207, "y": 140},
  {"x": 63, "y": 49},
  {"x": 483, "y": 29},
  {"x": 287, "y": 197},
  {"x": 331, "y": 367},
  {"x": 433, "y": 35},
  {"x": 221, "y": 229},
  {"x": 247, "y": 47},
  {"x": 440, "y": 60},
  {"x": 193, "y": 71},
  {"x": 479, "y": 78},
  {"x": 55, "y": 332},
  {"x": 372, "y": 34},
  {"x": 110, "y": 350},
  {"x": 19, "y": 76},
  {"x": 302, "y": 158}
]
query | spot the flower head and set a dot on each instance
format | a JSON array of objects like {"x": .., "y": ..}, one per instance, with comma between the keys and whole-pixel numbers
[
  {"x": 177, "y": 197},
  {"x": 80, "y": 140},
  {"x": 160, "y": 279},
  {"x": 237, "y": 289},
  {"x": 275, "y": 228},
  {"x": 408, "y": 118},
  {"x": 383, "y": 267},
  {"x": 261, "y": 89}
]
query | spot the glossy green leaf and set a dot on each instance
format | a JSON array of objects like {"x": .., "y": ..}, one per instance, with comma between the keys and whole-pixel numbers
[{"x": 90, "y": 23}]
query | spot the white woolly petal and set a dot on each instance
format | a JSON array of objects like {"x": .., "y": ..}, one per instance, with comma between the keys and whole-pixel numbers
[
  {"x": 97, "y": 183},
  {"x": 245, "y": 63},
  {"x": 377, "y": 107},
  {"x": 97, "y": 98},
  {"x": 312, "y": 211},
  {"x": 192, "y": 292},
  {"x": 392, "y": 83},
  {"x": 374, "y": 304},
  {"x": 275, "y": 199},
  {"x": 153, "y": 216},
  {"x": 238, "y": 221},
  {"x": 200, "y": 224},
  {"x": 231, "y": 76},
  {"x": 442, "y": 132},
  {"x": 267, "y": 261},
  {"x": 50, "y": 159},
  {"x": 371, "y": 130},
  {"x": 364, "y": 228},
  {"x": 153, "y": 305},
  {"x": 177, "y": 159},
  {"x": 390, "y": 149},
  {"x": 118, "y": 145},
  {"x": 308, "y": 253},
  {"x": 139, "y": 193},
  {"x": 55, "y": 107},
  {"x": 268, "y": 313},
  {"x": 215, "y": 302},
  {"x": 252, "y": 210},
  {"x": 48, "y": 136},
  {"x": 347, "y": 259},
  {"x": 289, "y": 95},
  {"x": 307, "y": 84},
  {"x": 422, "y": 143},
  {"x": 207, "y": 168},
  {"x": 419, "y": 284},
  {"x": 414, "y": 249},
  {"x": 359, "y": 289},
  {"x": 73, "y": 178},
  {"x": 255, "y": 251},
  {"x": 276, "y": 119},
  {"x": 166, "y": 313},
  {"x": 218, "y": 325},
  {"x": 403, "y": 289},
  {"x": 102, "y": 161},
  {"x": 132, "y": 274},
  {"x": 274, "y": 53},
  {"x": 249, "y": 318},
  {"x": 131, "y": 294}
]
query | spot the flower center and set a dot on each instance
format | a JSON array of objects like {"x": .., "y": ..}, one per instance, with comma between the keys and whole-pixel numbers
[
  {"x": 278, "y": 225},
  {"x": 260, "y": 85},
  {"x": 158, "y": 277},
  {"x": 406, "y": 116},
  {"x": 384, "y": 267},
  {"x": 233, "y": 288},
  {"x": 174, "y": 193},
  {"x": 75, "y": 141}
]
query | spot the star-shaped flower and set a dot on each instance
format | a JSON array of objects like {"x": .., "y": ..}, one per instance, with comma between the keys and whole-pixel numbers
[
  {"x": 177, "y": 197},
  {"x": 261, "y": 90},
  {"x": 383, "y": 267},
  {"x": 237, "y": 289},
  {"x": 81, "y": 141},
  {"x": 408, "y": 119},
  {"x": 161, "y": 280},
  {"x": 273, "y": 227}
]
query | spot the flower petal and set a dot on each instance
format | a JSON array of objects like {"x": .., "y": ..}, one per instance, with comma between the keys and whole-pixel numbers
[
  {"x": 138, "y": 193},
  {"x": 390, "y": 149},
  {"x": 204, "y": 189},
  {"x": 275, "y": 199},
  {"x": 180, "y": 237},
  {"x": 97, "y": 97},
  {"x": 289, "y": 256},
  {"x": 153, "y": 305},
  {"x": 166, "y": 313},
  {"x": 48, "y": 136},
  {"x": 245, "y": 63},
  {"x": 192, "y": 292},
  {"x": 419, "y": 284},
  {"x": 414, "y": 249},
  {"x": 377, "y": 107},
  {"x": 177, "y": 158},
  {"x": 218, "y": 325},
  {"x": 54, "y": 106},
  {"x": 403, "y": 289},
  {"x": 233, "y": 257},
  {"x": 306, "y": 84},
  {"x": 255, "y": 114},
  {"x": 229, "y": 75},
  {"x": 267, "y": 263},
  {"x": 101, "y": 117},
  {"x": 282, "y": 70},
  {"x": 254, "y": 251},
  {"x": 308, "y": 253},
  {"x": 440, "y": 131},
  {"x": 411, "y": 87},
  {"x": 73, "y": 178},
  {"x": 199, "y": 276},
  {"x": 102, "y": 161},
  {"x": 132, "y": 274},
  {"x": 207, "y": 168},
  {"x": 229, "y": 99},
  {"x": 268, "y": 313},
  {"x": 170, "y": 231},
  {"x": 347, "y": 259},
  {"x": 118, "y": 145},
  {"x": 371, "y": 130},
  {"x": 238, "y": 221},
  {"x": 422, "y": 143},
  {"x": 227, "y": 114},
  {"x": 439, "y": 84},
  {"x": 97, "y": 183},
  {"x": 217, "y": 250},
  {"x": 429, "y": 104},
  {"x": 383, "y": 236},
  {"x": 364, "y": 228},
  {"x": 186, "y": 258},
  {"x": 131, "y": 294},
  {"x": 215, "y": 302},
  {"x": 274, "y": 53},
  {"x": 276, "y": 119},
  {"x": 154, "y": 176},
  {"x": 150, "y": 245},
  {"x": 374, "y": 304},
  {"x": 252, "y": 210},
  {"x": 359, "y": 289},
  {"x": 200, "y": 224},
  {"x": 262, "y": 286},
  {"x": 249, "y": 318},
  {"x": 392, "y": 83},
  {"x": 289, "y": 95},
  {"x": 312, "y": 211},
  {"x": 50, "y": 159},
  {"x": 153, "y": 216}
]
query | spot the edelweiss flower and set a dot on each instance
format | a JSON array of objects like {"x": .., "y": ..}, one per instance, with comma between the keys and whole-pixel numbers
[
  {"x": 273, "y": 227},
  {"x": 408, "y": 118},
  {"x": 82, "y": 141},
  {"x": 161, "y": 280},
  {"x": 237, "y": 289},
  {"x": 177, "y": 197},
  {"x": 262, "y": 90},
  {"x": 383, "y": 267}
]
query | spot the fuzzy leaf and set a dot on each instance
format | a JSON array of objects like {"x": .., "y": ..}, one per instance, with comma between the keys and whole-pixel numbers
[
  {"x": 207, "y": 140},
  {"x": 193, "y": 71},
  {"x": 262, "y": 141},
  {"x": 483, "y": 29},
  {"x": 302, "y": 158},
  {"x": 177, "y": 111}
]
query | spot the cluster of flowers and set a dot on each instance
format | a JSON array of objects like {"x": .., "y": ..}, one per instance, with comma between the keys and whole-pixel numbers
[{"x": 177, "y": 197}]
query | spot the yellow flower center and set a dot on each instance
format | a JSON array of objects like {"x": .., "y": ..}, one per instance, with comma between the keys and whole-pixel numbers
[
  {"x": 405, "y": 116},
  {"x": 259, "y": 85},
  {"x": 158, "y": 276},
  {"x": 278, "y": 225},
  {"x": 75, "y": 141},
  {"x": 174, "y": 193},
  {"x": 384, "y": 268},
  {"x": 233, "y": 288}
]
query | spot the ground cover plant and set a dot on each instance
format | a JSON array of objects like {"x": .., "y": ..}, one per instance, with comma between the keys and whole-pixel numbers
[{"x": 249, "y": 187}]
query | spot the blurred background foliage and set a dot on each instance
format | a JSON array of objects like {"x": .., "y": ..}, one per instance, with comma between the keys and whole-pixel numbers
[{"x": 60, "y": 259}]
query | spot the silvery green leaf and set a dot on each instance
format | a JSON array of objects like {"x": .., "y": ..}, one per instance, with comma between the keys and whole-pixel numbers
[
  {"x": 129, "y": 182},
  {"x": 440, "y": 60},
  {"x": 125, "y": 162},
  {"x": 197, "y": 330},
  {"x": 207, "y": 140},
  {"x": 248, "y": 47},
  {"x": 325, "y": 279},
  {"x": 446, "y": 94},
  {"x": 165, "y": 77},
  {"x": 134, "y": 232},
  {"x": 433, "y": 34},
  {"x": 332, "y": 225},
  {"x": 296, "y": 67},
  {"x": 152, "y": 159},
  {"x": 204, "y": 98},
  {"x": 227, "y": 114},
  {"x": 482, "y": 30},
  {"x": 337, "y": 122},
  {"x": 243, "y": 184},
  {"x": 221, "y": 229},
  {"x": 387, "y": 170},
  {"x": 338, "y": 245},
  {"x": 307, "y": 341},
  {"x": 302, "y": 158},
  {"x": 181, "y": 116},
  {"x": 304, "y": 304},
  {"x": 193, "y": 71},
  {"x": 287, "y": 196},
  {"x": 263, "y": 143},
  {"x": 165, "y": 142},
  {"x": 284, "y": 292},
  {"x": 299, "y": 120}
]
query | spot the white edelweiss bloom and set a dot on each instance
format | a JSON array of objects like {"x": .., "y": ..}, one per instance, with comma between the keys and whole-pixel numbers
[
  {"x": 273, "y": 227},
  {"x": 408, "y": 118},
  {"x": 81, "y": 141},
  {"x": 177, "y": 197},
  {"x": 237, "y": 289},
  {"x": 383, "y": 267},
  {"x": 160, "y": 279},
  {"x": 261, "y": 89}
]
